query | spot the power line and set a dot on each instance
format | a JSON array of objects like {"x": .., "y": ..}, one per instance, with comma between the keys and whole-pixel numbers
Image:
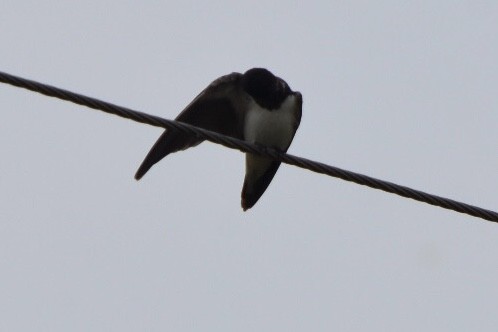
[{"x": 247, "y": 147}]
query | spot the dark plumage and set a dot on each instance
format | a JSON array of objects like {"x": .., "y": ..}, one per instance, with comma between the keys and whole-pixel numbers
[{"x": 255, "y": 106}]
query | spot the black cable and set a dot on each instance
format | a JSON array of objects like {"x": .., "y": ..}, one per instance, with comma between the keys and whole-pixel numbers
[{"x": 246, "y": 147}]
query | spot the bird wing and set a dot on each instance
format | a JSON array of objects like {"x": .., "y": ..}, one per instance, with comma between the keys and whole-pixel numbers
[{"x": 217, "y": 108}]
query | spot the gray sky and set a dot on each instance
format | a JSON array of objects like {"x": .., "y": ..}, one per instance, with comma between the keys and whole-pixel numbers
[{"x": 405, "y": 92}]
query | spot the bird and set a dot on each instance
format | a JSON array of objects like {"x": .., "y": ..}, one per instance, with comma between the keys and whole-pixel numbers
[{"x": 256, "y": 106}]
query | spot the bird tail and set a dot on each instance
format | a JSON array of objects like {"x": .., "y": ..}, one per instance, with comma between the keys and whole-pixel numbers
[{"x": 259, "y": 173}]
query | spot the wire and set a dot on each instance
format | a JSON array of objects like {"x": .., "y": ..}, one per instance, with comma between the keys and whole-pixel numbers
[{"x": 246, "y": 147}]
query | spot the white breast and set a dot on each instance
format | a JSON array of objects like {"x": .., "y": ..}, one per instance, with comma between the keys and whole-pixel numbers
[{"x": 271, "y": 128}]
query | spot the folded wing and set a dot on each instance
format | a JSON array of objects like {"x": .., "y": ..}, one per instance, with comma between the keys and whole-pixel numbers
[{"x": 216, "y": 108}]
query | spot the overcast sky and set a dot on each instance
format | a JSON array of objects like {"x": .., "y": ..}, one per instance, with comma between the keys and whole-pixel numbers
[{"x": 402, "y": 91}]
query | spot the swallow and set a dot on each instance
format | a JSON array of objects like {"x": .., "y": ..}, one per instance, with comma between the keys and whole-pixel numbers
[{"x": 256, "y": 106}]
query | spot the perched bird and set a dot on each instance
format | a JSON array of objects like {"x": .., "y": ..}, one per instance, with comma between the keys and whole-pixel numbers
[{"x": 256, "y": 106}]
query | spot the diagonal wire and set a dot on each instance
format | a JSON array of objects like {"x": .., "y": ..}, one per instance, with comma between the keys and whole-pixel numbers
[{"x": 247, "y": 147}]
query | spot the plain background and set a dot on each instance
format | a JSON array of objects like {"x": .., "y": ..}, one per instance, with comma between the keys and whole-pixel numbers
[{"x": 403, "y": 91}]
